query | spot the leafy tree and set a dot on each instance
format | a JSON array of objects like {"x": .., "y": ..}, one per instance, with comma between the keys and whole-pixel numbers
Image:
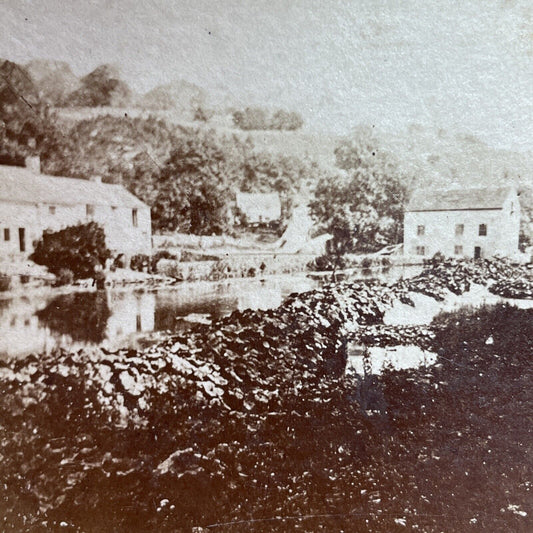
[
  {"x": 194, "y": 191},
  {"x": 286, "y": 120},
  {"x": 202, "y": 114},
  {"x": 362, "y": 207},
  {"x": 252, "y": 118},
  {"x": 257, "y": 118},
  {"x": 79, "y": 248},
  {"x": 27, "y": 125}
]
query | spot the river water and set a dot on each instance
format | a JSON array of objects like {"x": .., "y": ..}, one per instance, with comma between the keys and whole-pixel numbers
[{"x": 41, "y": 322}]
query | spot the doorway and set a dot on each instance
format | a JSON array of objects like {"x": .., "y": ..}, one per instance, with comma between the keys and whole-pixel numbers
[
  {"x": 22, "y": 239},
  {"x": 477, "y": 252}
]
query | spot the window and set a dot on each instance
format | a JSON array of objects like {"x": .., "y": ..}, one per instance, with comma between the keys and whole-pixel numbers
[
  {"x": 7, "y": 234},
  {"x": 459, "y": 229},
  {"x": 134, "y": 220},
  {"x": 52, "y": 209},
  {"x": 421, "y": 230},
  {"x": 458, "y": 250},
  {"x": 22, "y": 239},
  {"x": 483, "y": 230},
  {"x": 420, "y": 250},
  {"x": 89, "y": 210}
]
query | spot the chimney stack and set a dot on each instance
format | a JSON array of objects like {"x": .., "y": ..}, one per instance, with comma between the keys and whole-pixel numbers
[{"x": 33, "y": 163}]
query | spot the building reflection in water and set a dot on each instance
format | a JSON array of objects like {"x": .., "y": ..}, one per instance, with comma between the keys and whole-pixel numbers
[
  {"x": 120, "y": 318},
  {"x": 73, "y": 321}
]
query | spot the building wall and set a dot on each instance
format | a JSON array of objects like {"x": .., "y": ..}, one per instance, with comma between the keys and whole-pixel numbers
[
  {"x": 503, "y": 226},
  {"x": 122, "y": 235}
]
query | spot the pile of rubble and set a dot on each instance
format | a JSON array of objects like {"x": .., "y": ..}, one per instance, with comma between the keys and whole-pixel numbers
[{"x": 227, "y": 403}]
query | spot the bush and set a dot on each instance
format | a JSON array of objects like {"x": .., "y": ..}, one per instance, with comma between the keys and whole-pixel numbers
[
  {"x": 161, "y": 254},
  {"x": 81, "y": 249},
  {"x": 366, "y": 262},
  {"x": 327, "y": 262},
  {"x": 64, "y": 277},
  {"x": 119, "y": 261},
  {"x": 140, "y": 263}
]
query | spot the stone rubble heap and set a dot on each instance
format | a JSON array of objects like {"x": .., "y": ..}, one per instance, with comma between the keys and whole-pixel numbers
[{"x": 201, "y": 407}]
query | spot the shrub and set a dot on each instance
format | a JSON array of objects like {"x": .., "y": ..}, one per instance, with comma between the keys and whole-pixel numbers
[
  {"x": 327, "y": 262},
  {"x": 119, "y": 261},
  {"x": 80, "y": 249},
  {"x": 161, "y": 254},
  {"x": 140, "y": 263},
  {"x": 64, "y": 277},
  {"x": 438, "y": 258},
  {"x": 366, "y": 262}
]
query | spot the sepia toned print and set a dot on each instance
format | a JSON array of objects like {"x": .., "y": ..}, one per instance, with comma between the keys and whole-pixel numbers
[{"x": 266, "y": 266}]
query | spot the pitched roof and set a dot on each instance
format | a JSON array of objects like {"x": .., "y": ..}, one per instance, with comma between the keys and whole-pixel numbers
[
  {"x": 253, "y": 201},
  {"x": 20, "y": 185},
  {"x": 459, "y": 199}
]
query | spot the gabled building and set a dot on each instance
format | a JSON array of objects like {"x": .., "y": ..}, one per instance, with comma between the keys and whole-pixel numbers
[
  {"x": 481, "y": 222},
  {"x": 259, "y": 208},
  {"x": 31, "y": 203}
]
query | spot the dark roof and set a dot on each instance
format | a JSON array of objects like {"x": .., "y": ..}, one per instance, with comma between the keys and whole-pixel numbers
[
  {"x": 21, "y": 185},
  {"x": 458, "y": 199}
]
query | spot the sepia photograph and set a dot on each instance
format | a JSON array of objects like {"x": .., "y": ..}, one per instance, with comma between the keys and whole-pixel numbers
[{"x": 266, "y": 266}]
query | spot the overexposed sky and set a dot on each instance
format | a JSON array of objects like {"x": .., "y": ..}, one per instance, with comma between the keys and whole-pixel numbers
[{"x": 462, "y": 65}]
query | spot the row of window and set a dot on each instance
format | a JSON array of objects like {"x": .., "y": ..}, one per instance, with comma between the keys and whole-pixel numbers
[
  {"x": 89, "y": 211},
  {"x": 459, "y": 230},
  {"x": 7, "y": 231},
  {"x": 22, "y": 237},
  {"x": 458, "y": 250}
]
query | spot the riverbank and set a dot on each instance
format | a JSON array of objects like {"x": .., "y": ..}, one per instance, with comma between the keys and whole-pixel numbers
[{"x": 253, "y": 422}]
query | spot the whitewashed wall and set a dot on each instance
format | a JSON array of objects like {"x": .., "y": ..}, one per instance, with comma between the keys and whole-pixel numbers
[
  {"x": 121, "y": 235},
  {"x": 439, "y": 235}
]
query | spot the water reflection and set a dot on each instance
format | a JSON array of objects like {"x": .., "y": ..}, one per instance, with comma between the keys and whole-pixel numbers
[
  {"x": 374, "y": 360},
  {"x": 129, "y": 317},
  {"x": 120, "y": 318},
  {"x": 82, "y": 316}
]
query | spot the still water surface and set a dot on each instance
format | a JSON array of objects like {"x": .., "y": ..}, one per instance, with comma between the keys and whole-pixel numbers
[{"x": 40, "y": 323}]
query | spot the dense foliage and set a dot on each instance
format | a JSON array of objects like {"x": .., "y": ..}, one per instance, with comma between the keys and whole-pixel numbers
[
  {"x": 257, "y": 118},
  {"x": 81, "y": 249},
  {"x": 362, "y": 208}
]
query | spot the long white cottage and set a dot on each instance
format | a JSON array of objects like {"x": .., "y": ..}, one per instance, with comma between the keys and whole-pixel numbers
[
  {"x": 481, "y": 222},
  {"x": 31, "y": 202}
]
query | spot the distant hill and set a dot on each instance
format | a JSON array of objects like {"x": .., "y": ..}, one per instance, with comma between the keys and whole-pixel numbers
[
  {"x": 101, "y": 87},
  {"x": 179, "y": 95},
  {"x": 16, "y": 86},
  {"x": 441, "y": 158},
  {"x": 54, "y": 80}
]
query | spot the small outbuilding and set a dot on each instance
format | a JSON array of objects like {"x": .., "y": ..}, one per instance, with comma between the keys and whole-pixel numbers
[
  {"x": 31, "y": 202},
  {"x": 259, "y": 208},
  {"x": 480, "y": 222}
]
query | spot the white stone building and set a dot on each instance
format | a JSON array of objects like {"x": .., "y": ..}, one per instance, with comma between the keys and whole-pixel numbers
[
  {"x": 31, "y": 203},
  {"x": 259, "y": 208},
  {"x": 481, "y": 222}
]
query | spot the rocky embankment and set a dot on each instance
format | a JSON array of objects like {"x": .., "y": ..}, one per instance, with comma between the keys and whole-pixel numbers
[{"x": 243, "y": 420}]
